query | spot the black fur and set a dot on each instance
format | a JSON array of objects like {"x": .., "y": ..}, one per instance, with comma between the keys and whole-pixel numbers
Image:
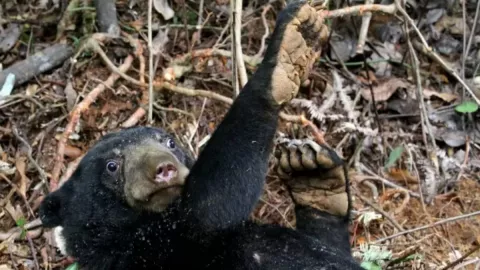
[{"x": 207, "y": 227}]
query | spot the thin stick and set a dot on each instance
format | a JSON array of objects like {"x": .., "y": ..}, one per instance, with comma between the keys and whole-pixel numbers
[
  {"x": 364, "y": 29},
  {"x": 381, "y": 211},
  {"x": 75, "y": 117},
  {"x": 465, "y": 51},
  {"x": 236, "y": 6},
  {"x": 34, "y": 251},
  {"x": 415, "y": 65},
  {"x": 200, "y": 18},
  {"x": 359, "y": 9},
  {"x": 459, "y": 260},
  {"x": 443, "y": 221},
  {"x": 150, "y": 63},
  {"x": 43, "y": 175},
  {"x": 472, "y": 33},
  {"x": 267, "y": 32}
]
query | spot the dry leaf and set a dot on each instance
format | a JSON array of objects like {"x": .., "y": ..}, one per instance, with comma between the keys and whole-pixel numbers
[
  {"x": 137, "y": 24},
  {"x": 31, "y": 90},
  {"x": 162, "y": 7},
  {"x": 14, "y": 212},
  {"x": 447, "y": 97},
  {"x": 401, "y": 175},
  {"x": 21, "y": 165},
  {"x": 362, "y": 76},
  {"x": 158, "y": 43},
  {"x": 384, "y": 90},
  {"x": 71, "y": 96},
  {"x": 72, "y": 151}
]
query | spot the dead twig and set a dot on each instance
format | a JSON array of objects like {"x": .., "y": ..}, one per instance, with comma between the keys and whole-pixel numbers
[
  {"x": 362, "y": 36},
  {"x": 381, "y": 211},
  {"x": 459, "y": 260},
  {"x": 150, "y": 63},
  {"x": 267, "y": 32},
  {"x": 41, "y": 172},
  {"x": 140, "y": 112},
  {"x": 33, "y": 250},
  {"x": 238, "y": 65},
  {"x": 360, "y": 9},
  {"x": 374, "y": 176},
  {"x": 425, "y": 121},
  {"x": 37, "y": 64},
  {"x": 19, "y": 193},
  {"x": 443, "y": 221},
  {"x": 75, "y": 116}
]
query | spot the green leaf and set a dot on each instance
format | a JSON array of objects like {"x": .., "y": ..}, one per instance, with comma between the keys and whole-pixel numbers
[
  {"x": 23, "y": 234},
  {"x": 467, "y": 107},
  {"x": 394, "y": 156},
  {"x": 370, "y": 266},
  {"x": 73, "y": 266},
  {"x": 21, "y": 222},
  {"x": 414, "y": 256}
]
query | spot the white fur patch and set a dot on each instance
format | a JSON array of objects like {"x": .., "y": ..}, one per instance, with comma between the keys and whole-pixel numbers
[
  {"x": 60, "y": 240},
  {"x": 256, "y": 257}
]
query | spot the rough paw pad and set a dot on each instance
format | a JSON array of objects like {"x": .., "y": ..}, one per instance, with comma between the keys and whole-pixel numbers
[{"x": 314, "y": 173}]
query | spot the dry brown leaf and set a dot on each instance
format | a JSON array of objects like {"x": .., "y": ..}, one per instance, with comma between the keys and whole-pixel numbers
[
  {"x": 71, "y": 96},
  {"x": 137, "y": 24},
  {"x": 14, "y": 213},
  {"x": 72, "y": 151},
  {"x": 401, "y": 175},
  {"x": 362, "y": 76},
  {"x": 21, "y": 165},
  {"x": 384, "y": 90},
  {"x": 447, "y": 97}
]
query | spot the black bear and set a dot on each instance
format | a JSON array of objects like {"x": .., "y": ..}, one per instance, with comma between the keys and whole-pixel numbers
[{"x": 135, "y": 202}]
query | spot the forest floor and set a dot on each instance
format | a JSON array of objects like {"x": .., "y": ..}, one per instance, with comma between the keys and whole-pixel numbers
[{"x": 413, "y": 149}]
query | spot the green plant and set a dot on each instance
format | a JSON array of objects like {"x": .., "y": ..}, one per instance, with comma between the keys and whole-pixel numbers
[
  {"x": 373, "y": 257},
  {"x": 467, "y": 107},
  {"x": 21, "y": 224},
  {"x": 73, "y": 266},
  {"x": 394, "y": 156}
]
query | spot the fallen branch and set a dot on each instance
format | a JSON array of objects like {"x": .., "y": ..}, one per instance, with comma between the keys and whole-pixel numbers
[
  {"x": 443, "y": 221},
  {"x": 37, "y": 64},
  {"x": 360, "y": 9},
  {"x": 75, "y": 116}
]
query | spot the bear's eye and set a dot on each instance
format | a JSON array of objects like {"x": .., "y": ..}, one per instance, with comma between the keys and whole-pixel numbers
[
  {"x": 112, "y": 166},
  {"x": 170, "y": 143}
]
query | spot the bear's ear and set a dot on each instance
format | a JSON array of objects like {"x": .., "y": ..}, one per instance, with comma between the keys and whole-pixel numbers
[{"x": 50, "y": 211}]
